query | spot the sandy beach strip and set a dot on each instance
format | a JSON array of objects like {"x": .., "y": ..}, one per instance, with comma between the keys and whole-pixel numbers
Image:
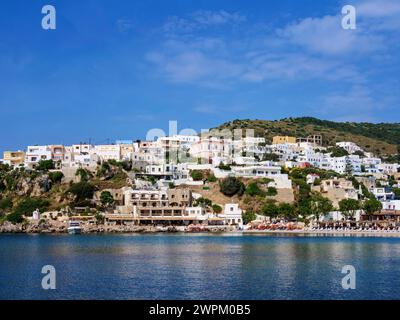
[{"x": 372, "y": 233}]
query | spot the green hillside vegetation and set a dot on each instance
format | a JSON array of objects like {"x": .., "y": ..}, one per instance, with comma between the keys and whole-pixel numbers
[{"x": 379, "y": 138}]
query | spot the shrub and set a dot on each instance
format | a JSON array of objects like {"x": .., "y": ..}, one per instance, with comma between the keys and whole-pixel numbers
[
  {"x": 231, "y": 186},
  {"x": 26, "y": 207},
  {"x": 272, "y": 191},
  {"x": 15, "y": 218},
  {"x": 248, "y": 217},
  {"x": 196, "y": 175},
  {"x": 270, "y": 157},
  {"x": 171, "y": 185},
  {"x": 83, "y": 173},
  {"x": 99, "y": 218},
  {"x": 338, "y": 152},
  {"x": 82, "y": 190},
  {"x": 223, "y": 166},
  {"x": 266, "y": 180},
  {"x": 216, "y": 208},
  {"x": 203, "y": 202},
  {"x": 211, "y": 178},
  {"x": 254, "y": 190},
  {"x": 56, "y": 177},
  {"x": 106, "y": 198},
  {"x": 45, "y": 165},
  {"x": 6, "y": 204}
]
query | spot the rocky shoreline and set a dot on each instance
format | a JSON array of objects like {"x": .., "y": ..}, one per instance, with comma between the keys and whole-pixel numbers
[{"x": 56, "y": 227}]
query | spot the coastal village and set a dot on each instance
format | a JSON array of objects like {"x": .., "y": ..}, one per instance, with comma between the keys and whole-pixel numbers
[{"x": 207, "y": 182}]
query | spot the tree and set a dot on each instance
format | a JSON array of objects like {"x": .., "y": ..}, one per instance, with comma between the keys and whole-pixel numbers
[
  {"x": 271, "y": 191},
  {"x": 83, "y": 173},
  {"x": 349, "y": 167},
  {"x": 396, "y": 192},
  {"x": 348, "y": 207},
  {"x": 223, "y": 166},
  {"x": 171, "y": 185},
  {"x": 338, "y": 152},
  {"x": 203, "y": 202},
  {"x": 216, "y": 208},
  {"x": 15, "y": 218},
  {"x": 211, "y": 178},
  {"x": 254, "y": 190},
  {"x": 6, "y": 204},
  {"x": 106, "y": 198},
  {"x": 371, "y": 206},
  {"x": 196, "y": 175},
  {"x": 248, "y": 217},
  {"x": 319, "y": 205},
  {"x": 26, "y": 207},
  {"x": 359, "y": 153},
  {"x": 270, "y": 157},
  {"x": 56, "y": 177},
  {"x": 99, "y": 218},
  {"x": 286, "y": 210},
  {"x": 82, "y": 190},
  {"x": 231, "y": 186},
  {"x": 270, "y": 209},
  {"x": 45, "y": 165}
]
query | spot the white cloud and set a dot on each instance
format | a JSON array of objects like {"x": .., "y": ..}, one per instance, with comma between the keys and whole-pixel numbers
[
  {"x": 310, "y": 48},
  {"x": 356, "y": 104},
  {"x": 326, "y": 35},
  {"x": 200, "y": 20},
  {"x": 204, "y": 17},
  {"x": 190, "y": 66},
  {"x": 378, "y": 8}
]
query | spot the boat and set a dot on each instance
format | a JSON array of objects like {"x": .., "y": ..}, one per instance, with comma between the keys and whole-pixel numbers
[{"x": 74, "y": 227}]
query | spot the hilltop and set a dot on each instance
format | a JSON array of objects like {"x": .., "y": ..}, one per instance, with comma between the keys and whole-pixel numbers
[{"x": 379, "y": 138}]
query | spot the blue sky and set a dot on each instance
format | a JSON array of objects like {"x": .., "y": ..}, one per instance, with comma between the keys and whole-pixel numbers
[{"x": 115, "y": 69}]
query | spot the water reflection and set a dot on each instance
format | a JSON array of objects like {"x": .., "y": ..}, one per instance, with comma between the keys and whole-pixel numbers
[{"x": 199, "y": 266}]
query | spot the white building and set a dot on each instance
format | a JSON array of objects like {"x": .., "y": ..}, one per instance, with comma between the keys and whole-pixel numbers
[
  {"x": 198, "y": 213},
  {"x": 350, "y": 147},
  {"x": 212, "y": 148},
  {"x": 391, "y": 205},
  {"x": 371, "y": 161},
  {"x": 108, "y": 152},
  {"x": 262, "y": 170},
  {"x": 168, "y": 171},
  {"x": 232, "y": 214},
  {"x": 387, "y": 168},
  {"x": 36, "y": 153},
  {"x": 338, "y": 216},
  {"x": 382, "y": 193},
  {"x": 80, "y": 155},
  {"x": 148, "y": 151}
]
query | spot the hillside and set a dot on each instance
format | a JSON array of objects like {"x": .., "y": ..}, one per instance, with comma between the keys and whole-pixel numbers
[{"x": 380, "y": 138}]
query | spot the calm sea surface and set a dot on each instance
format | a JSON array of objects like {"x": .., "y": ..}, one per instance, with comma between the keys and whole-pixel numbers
[{"x": 174, "y": 266}]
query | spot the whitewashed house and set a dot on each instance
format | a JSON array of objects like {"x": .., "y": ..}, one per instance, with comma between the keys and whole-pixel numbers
[{"x": 232, "y": 214}]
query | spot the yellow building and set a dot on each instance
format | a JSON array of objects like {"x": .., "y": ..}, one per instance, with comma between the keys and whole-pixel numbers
[
  {"x": 14, "y": 158},
  {"x": 283, "y": 139}
]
